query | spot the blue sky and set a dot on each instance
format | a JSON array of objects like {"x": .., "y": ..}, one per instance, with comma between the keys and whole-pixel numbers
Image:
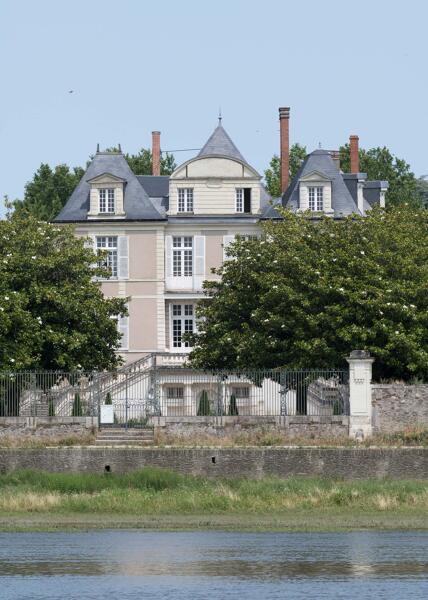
[{"x": 136, "y": 66}]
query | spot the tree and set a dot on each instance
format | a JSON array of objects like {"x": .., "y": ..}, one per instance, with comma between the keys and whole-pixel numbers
[
  {"x": 310, "y": 292},
  {"x": 141, "y": 163},
  {"x": 381, "y": 164},
  {"x": 108, "y": 399},
  {"x": 77, "y": 410},
  {"x": 273, "y": 174},
  {"x": 53, "y": 314},
  {"x": 204, "y": 409},
  {"x": 48, "y": 191}
]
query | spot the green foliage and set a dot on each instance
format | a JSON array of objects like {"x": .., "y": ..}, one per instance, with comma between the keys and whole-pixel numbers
[
  {"x": 204, "y": 409},
  {"x": 273, "y": 173},
  {"x": 53, "y": 314},
  {"x": 77, "y": 410},
  {"x": 381, "y": 164},
  {"x": 48, "y": 191},
  {"x": 233, "y": 408},
  {"x": 51, "y": 407},
  {"x": 310, "y": 292},
  {"x": 108, "y": 399},
  {"x": 141, "y": 163}
]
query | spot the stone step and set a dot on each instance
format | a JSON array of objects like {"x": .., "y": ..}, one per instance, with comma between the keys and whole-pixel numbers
[
  {"x": 138, "y": 434},
  {"x": 126, "y": 442}
]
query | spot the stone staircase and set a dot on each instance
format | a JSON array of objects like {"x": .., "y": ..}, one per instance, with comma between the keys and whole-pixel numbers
[{"x": 119, "y": 436}]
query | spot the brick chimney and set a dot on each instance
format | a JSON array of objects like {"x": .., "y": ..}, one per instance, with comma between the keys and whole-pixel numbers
[
  {"x": 284, "y": 120},
  {"x": 155, "y": 152},
  {"x": 353, "y": 148}
]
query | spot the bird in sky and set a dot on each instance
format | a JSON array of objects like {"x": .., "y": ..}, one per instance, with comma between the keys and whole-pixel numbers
[{"x": 70, "y": 91}]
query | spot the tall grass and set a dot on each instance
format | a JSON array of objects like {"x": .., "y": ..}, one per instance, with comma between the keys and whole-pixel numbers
[{"x": 155, "y": 491}]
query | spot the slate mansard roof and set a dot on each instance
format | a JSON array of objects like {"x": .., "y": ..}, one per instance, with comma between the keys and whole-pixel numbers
[
  {"x": 343, "y": 186},
  {"x": 137, "y": 203}
]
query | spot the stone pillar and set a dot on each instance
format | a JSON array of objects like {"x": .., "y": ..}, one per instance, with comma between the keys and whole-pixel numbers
[{"x": 360, "y": 394}]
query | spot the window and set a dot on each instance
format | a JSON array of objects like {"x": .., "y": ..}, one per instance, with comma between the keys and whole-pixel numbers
[
  {"x": 175, "y": 393},
  {"x": 185, "y": 199},
  {"x": 106, "y": 197},
  {"x": 108, "y": 243},
  {"x": 183, "y": 320},
  {"x": 182, "y": 256},
  {"x": 241, "y": 392},
  {"x": 243, "y": 200},
  {"x": 248, "y": 237},
  {"x": 316, "y": 200}
]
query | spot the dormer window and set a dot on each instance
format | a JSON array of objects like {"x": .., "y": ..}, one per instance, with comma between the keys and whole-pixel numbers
[
  {"x": 106, "y": 200},
  {"x": 243, "y": 200},
  {"x": 316, "y": 198},
  {"x": 185, "y": 200}
]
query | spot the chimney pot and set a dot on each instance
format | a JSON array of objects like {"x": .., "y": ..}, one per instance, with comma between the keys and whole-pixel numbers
[
  {"x": 353, "y": 150},
  {"x": 155, "y": 152},
  {"x": 284, "y": 120}
]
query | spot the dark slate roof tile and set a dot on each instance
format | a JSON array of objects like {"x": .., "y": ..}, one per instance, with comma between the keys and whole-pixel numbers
[{"x": 137, "y": 204}]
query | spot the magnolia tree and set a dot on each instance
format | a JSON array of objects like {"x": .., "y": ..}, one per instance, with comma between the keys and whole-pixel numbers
[
  {"x": 308, "y": 292},
  {"x": 53, "y": 314}
]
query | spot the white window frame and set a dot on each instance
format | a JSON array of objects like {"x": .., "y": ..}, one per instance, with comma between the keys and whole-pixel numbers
[
  {"x": 175, "y": 392},
  {"x": 182, "y": 321},
  {"x": 185, "y": 200},
  {"x": 239, "y": 200},
  {"x": 316, "y": 198},
  {"x": 111, "y": 244},
  {"x": 182, "y": 256},
  {"x": 107, "y": 201}
]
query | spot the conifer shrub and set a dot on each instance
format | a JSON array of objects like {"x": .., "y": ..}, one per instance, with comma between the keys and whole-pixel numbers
[
  {"x": 77, "y": 410},
  {"x": 233, "y": 408},
  {"x": 204, "y": 409}
]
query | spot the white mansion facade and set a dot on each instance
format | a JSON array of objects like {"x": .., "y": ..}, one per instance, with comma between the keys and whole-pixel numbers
[{"x": 164, "y": 234}]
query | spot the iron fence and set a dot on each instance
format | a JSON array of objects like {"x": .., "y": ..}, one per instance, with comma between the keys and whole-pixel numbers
[{"x": 152, "y": 388}]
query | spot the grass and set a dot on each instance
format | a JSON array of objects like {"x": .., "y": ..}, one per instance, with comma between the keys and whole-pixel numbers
[
  {"x": 41, "y": 441},
  {"x": 160, "y": 498},
  {"x": 277, "y": 437}
]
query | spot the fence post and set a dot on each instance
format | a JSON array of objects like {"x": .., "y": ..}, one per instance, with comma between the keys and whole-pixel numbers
[{"x": 360, "y": 394}]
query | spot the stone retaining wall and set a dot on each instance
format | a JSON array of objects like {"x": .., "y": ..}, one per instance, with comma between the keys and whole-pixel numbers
[
  {"x": 396, "y": 407},
  {"x": 293, "y": 427},
  {"x": 346, "y": 463},
  {"x": 55, "y": 427}
]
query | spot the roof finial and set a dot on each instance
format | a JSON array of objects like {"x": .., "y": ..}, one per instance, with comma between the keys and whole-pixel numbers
[
  {"x": 319, "y": 145},
  {"x": 98, "y": 148},
  {"x": 120, "y": 149},
  {"x": 219, "y": 115}
]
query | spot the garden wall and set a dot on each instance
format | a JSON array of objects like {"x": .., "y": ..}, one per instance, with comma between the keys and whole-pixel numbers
[
  {"x": 396, "y": 407},
  {"x": 251, "y": 462}
]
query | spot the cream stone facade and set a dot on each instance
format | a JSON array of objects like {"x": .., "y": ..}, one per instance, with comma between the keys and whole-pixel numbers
[{"x": 163, "y": 235}]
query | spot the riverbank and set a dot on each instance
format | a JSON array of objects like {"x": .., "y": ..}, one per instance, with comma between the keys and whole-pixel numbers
[{"x": 159, "y": 499}]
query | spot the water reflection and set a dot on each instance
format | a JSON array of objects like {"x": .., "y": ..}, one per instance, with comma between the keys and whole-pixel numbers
[{"x": 212, "y": 565}]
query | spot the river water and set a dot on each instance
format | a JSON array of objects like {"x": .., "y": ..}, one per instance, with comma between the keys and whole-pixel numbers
[{"x": 124, "y": 564}]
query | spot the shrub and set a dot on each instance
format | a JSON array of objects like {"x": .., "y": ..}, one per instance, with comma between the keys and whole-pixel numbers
[
  {"x": 204, "y": 409},
  {"x": 108, "y": 399},
  {"x": 77, "y": 406},
  {"x": 51, "y": 407},
  {"x": 233, "y": 408}
]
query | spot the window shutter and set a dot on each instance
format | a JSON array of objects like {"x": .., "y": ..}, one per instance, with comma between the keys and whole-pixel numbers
[
  {"x": 123, "y": 326},
  {"x": 123, "y": 252},
  {"x": 199, "y": 264},
  {"x": 247, "y": 200},
  {"x": 91, "y": 243},
  {"x": 168, "y": 256},
  {"x": 227, "y": 239}
]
